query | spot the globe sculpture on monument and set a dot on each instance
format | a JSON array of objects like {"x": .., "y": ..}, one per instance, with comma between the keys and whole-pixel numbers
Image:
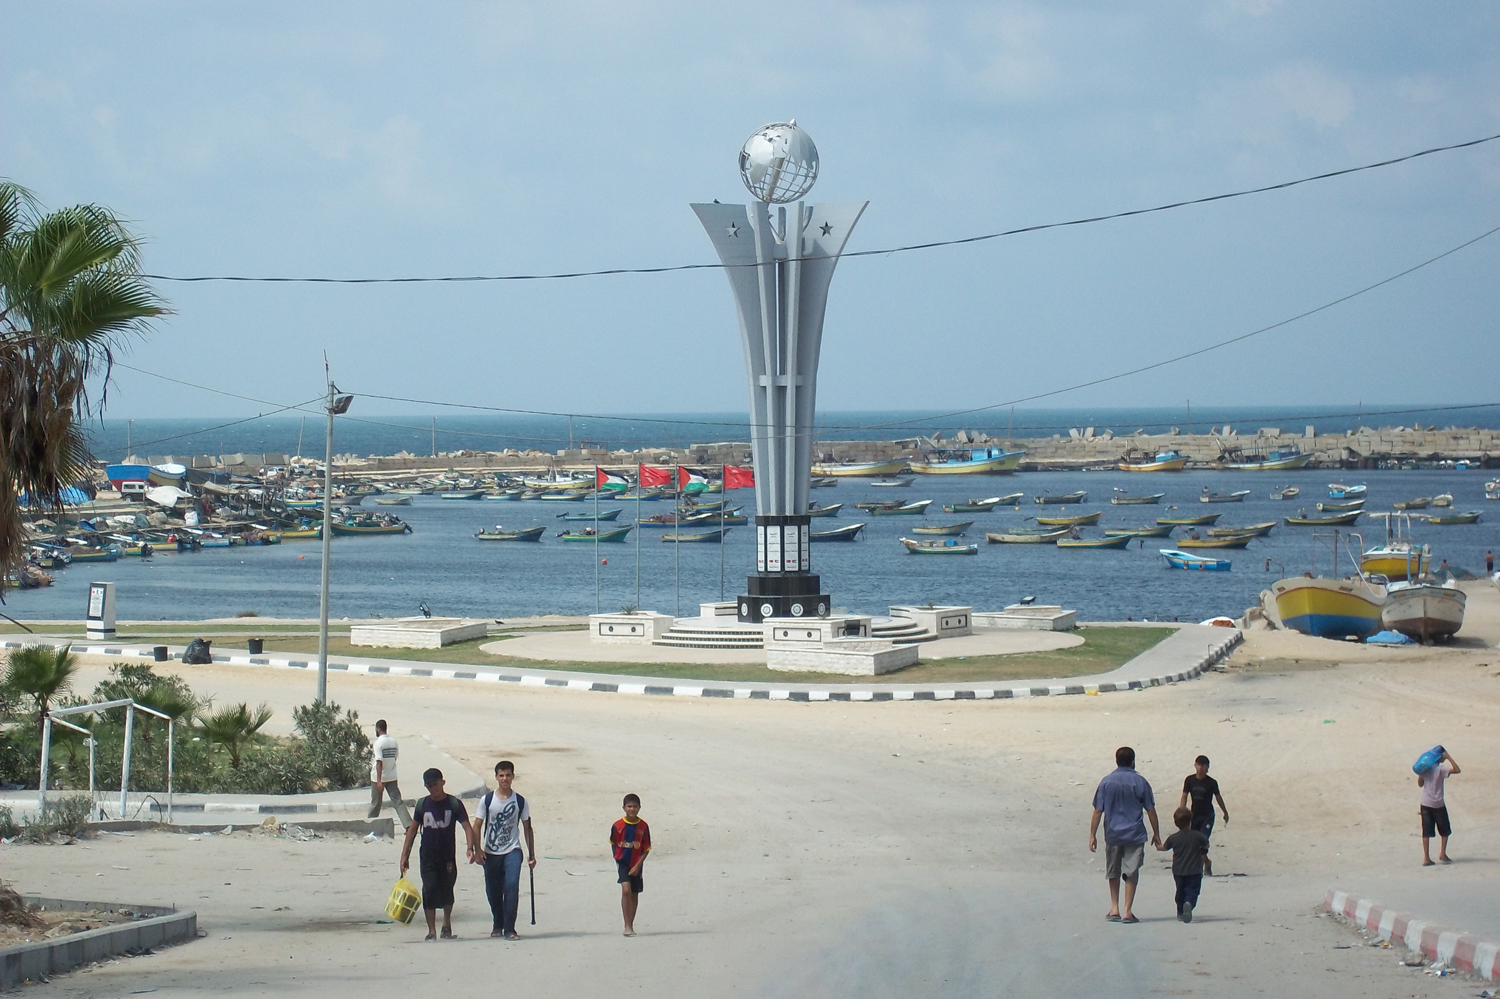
[{"x": 779, "y": 267}]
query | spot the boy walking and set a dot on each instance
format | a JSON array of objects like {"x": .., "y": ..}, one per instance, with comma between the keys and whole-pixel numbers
[
  {"x": 383, "y": 775},
  {"x": 498, "y": 821},
  {"x": 631, "y": 839},
  {"x": 1190, "y": 860},
  {"x": 1434, "y": 811},
  {"x": 439, "y": 815},
  {"x": 1203, "y": 791}
]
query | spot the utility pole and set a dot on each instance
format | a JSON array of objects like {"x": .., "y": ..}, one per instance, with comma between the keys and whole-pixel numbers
[
  {"x": 434, "y": 436},
  {"x": 335, "y": 405}
]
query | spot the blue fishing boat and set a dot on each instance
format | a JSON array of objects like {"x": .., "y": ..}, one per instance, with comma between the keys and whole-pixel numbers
[
  {"x": 1184, "y": 560},
  {"x": 603, "y": 515}
]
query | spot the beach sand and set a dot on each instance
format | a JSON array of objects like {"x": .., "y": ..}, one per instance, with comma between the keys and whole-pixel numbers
[{"x": 893, "y": 849}]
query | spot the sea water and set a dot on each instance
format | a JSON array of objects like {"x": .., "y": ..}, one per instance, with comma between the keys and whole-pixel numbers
[{"x": 443, "y": 565}]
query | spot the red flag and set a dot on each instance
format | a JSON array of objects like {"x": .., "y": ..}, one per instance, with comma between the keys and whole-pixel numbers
[
  {"x": 653, "y": 476},
  {"x": 738, "y": 478}
]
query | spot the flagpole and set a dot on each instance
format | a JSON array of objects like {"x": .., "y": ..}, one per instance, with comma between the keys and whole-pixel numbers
[
  {"x": 723, "y": 498},
  {"x": 677, "y": 543},
  {"x": 597, "y": 609},
  {"x": 638, "y": 536}
]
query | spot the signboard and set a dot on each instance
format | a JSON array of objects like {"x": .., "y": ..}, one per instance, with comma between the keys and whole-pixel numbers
[{"x": 100, "y": 620}]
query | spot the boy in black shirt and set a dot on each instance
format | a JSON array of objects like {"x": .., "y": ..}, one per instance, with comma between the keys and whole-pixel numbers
[
  {"x": 439, "y": 816},
  {"x": 1204, "y": 791},
  {"x": 1189, "y": 860}
]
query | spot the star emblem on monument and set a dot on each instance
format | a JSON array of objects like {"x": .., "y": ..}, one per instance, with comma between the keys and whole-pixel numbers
[
  {"x": 825, "y": 229},
  {"x": 733, "y": 230}
]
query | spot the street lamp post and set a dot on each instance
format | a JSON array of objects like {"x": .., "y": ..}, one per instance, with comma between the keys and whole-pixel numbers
[{"x": 335, "y": 405}]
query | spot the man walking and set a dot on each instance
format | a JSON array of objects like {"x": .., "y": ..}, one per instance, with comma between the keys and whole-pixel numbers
[
  {"x": 498, "y": 822},
  {"x": 383, "y": 775},
  {"x": 1120, "y": 799}
]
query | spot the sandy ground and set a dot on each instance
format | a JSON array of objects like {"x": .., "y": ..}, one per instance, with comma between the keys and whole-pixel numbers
[
  {"x": 575, "y": 646},
  {"x": 834, "y": 849}
]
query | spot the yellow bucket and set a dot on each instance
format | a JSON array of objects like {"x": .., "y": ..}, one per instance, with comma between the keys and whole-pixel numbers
[{"x": 404, "y": 902}]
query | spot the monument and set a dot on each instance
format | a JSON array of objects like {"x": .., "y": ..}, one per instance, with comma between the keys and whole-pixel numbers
[{"x": 779, "y": 269}]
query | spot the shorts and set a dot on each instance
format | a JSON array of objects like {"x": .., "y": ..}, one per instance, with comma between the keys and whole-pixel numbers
[
  {"x": 1435, "y": 821},
  {"x": 438, "y": 879},
  {"x": 1204, "y": 824},
  {"x": 1124, "y": 861},
  {"x": 636, "y": 882}
]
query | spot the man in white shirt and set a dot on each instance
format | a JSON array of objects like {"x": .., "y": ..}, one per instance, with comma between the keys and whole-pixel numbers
[
  {"x": 383, "y": 775},
  {"x": 1434, "y": 808},
  {"x": 498, "y": 821}
]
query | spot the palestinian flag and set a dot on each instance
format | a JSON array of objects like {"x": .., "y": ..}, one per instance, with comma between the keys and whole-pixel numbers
[
  {"x": 738, "y": 478},
  {"x": 651, "y": 475},
  {"x": 610, "y": 481},
  {"x": 691, "y": 480}
]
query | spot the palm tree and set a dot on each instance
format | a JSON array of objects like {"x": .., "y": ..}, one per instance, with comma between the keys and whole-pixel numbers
[
  {"x": 233, "y": 727},
  {"x": 41, "y": 673},
  {"x": 71, "y": 291}
]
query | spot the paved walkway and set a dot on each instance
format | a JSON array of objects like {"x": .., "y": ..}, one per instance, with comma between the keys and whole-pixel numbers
[{"x": 1181, "y": 656}]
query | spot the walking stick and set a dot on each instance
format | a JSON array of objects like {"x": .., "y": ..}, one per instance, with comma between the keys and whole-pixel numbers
[{"x": 532, "y": 872}]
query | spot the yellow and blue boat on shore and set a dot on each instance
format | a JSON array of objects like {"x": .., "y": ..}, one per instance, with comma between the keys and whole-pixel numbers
[{"x": 1329, "y": 608}]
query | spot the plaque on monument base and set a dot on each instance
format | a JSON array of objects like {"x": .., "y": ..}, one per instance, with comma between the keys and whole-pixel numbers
[{"x": 793, "y": 595}]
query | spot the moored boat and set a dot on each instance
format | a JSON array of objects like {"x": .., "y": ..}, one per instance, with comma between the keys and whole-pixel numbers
[
  {"x": 841, "y": 534},
  {"x": 1186, "y": 560},
  {"x": 393, "y": 501},
  {"x": 1094, "y": 542},
  {"x": 1420, "y": 503},
  {"x": 462, "y": 494},
  {"x": 1152, "y": 461},
  {"x": 896, "y": 483},
  {"x": 1208, "y": 496},
  {"x": 1342, "y": 506},
  {"x": 914, "y": 509},
  {"x": 1121, "y": 498},
  {"x": 614, "y": 534},
  {"x": 1027, "y": 536},
  {"x": 501, "y": 534},
  {"x": 1339, "y": 491},
  {"x": 825, "y": 511},
  {"x": 947, "y": 530},
  {"x": 167, "y": 474},
  {"x": 1289, "y": 492},
  {"x": 948, "y": 547},
  {"x": 1278, "y": 459},
  {"x": 859, "y": 469},
  {"x": 1467, "y": 517},
  {"x": 1206, "y": 520},
  {"x": 1079, "y": 520},
  {"x": 707, "y": 538},
  {"x": 1492, "y": 489},
  {"x": 1158, "y": 531},
  {"x": 1081, "y": 496},
  {"x": 1336, "y": 520},
  {"x": 967, "y": 461},
  {"x": 602, "y": 515},
  {"x": 973, "y": 505},
  {"x": 1228, "y": 541},
  {"x": 1260, "y": 530},
  {"x": 823, "y": 482},
  {"x": 1426, "y": 609},
  {"x": 384, "y": 524},
  {"x": 1443, "y": 499}
]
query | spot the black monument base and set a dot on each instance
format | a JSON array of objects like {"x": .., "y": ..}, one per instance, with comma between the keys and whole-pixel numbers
[{"x": 792, "y": 594}]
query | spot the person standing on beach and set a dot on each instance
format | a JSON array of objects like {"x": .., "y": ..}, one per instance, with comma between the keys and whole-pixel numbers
[
  {"x": 498, "y": 821},
  {"x": 1434, "y": 810},
  {"x": 383, "y": 775},
  {"x": 630, "y": 838},
  {"x": 439, "y": 816},
  {"x": 1489, "y": 563},
  {"x": 1119, "y": 801},
  {"x": 1203, "y": 790}
]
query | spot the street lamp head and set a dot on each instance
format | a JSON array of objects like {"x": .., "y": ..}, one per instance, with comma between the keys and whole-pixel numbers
[{"x": 779, "y": 163}]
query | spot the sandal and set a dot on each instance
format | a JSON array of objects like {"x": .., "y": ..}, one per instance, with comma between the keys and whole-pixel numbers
[
  {"x": 512, "y": 935},
  {"x": 1112, "y": 917},
  {"x": 1129, "y": 919},
  {"x": 430, "y": 936},
  {"x": 447, "y": 933}
]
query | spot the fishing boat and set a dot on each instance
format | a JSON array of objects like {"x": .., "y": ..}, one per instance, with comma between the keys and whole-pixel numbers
[
  {"x": 1339, "y": 491},
  {"x": 1492, "y": 489},
  {"x": 504, "y": 495},
  {"x": 646, "y": 495},
  {"x": 1214, "y": 497},
  {"x": 385, "y": 524},
  {"x": 1289, "y": 492},
  {"x": 614, "y": 534},
  {"x": 897, "y": 483},
  {"x": 706, "y": 516},
  {"x": 1121, "y": 498},
  {"x": 303, "y": 504},
  {"x": 462, "y": 494},
  {"x": 602, "y": 515},
  {"x": 393, "y": 501},
  {"x": 1420, "y": 503},
  {"x": 949, "y": 547},
  {"x": 1027, "y": 536},
  {"x": 1342, "y": 507},
  {"x": 706, "y": 538},
  {"x": 825, "y": 511},
  {"x": 1336, "y": 520},
  {"x": 1230, "y": 541},
  {"x": 973, "y": 505},
  {"x": 1185, "y": 560},
  {"x": 91, "y": 553},
  {"x": 859, "y": 469},
  {"x": 300, "y": 533},
  {"x": 501, "y": 534},
  {"x": 1467, "y": 517},
  {"x": 557, "y": 483},
  {"x": 823, "y": 482},
  {"x": 1081, "y": 496},
  {"x": 842, "y": 534},
  {"x": 1079, "y": 520},
  {"x": 1136, "y": 460},
  {"x": 1399, "y": 558},
  {"x": 1278, "y": 459},
  {"x": 1426, "y": 609},
  {"x": 693, "y": 509},
  {"x": 167, "y": 474},
  {"x": 967, "y": 461},
  {"x": 118, "y": 475},
  {"x": 659, "y": 520},
  {"x": 1260, "y": 530},
  {"x": 916, "y": 508},
  {"x": 573, "y": 496},
  {"x": 1443, "y": 499},
  {"x": 1329, "y": 608},
  {"x": 1159, "y": 531},
  {"x": 1094, "y": 542},
  {"x": 947, "y": 530},
  {"x": 1207, "y": 520}
]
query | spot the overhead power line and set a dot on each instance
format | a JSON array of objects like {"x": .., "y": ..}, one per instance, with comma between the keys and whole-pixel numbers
[{"x": 565, "y": 275}]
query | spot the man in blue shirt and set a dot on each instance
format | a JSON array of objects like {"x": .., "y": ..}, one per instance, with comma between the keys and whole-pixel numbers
[{"x": 1121, "y": 798}]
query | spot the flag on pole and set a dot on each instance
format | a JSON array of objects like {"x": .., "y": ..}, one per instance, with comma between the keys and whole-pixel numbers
[
  {"x": 691, "y": 480},
  {"x": 609, "y": 480},
  {"x": 654, "y": 476},
  {"x": 738, "y": 478}
]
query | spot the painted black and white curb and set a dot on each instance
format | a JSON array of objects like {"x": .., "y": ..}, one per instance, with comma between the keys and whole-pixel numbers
[{"x": 1189, "y": 666}]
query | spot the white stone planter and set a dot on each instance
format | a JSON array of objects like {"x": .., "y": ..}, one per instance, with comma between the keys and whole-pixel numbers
[
  {"x": 417, "y": 632},
  {"x": 640, "y": 628},
  {"x": 944, "y": 622},
  {"x": 1036, "y": 617},
  {"x": 852, "y": 656}
]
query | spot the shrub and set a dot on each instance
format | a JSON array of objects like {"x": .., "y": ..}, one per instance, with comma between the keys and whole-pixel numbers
[
  {"x": 336, "y": 747},
  {"x": 64, "y": 816},
  {"x": 8, "y": 827}
]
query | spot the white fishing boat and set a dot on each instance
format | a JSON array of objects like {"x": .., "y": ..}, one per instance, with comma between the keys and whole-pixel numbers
[{"x": 1425, "y": 608}]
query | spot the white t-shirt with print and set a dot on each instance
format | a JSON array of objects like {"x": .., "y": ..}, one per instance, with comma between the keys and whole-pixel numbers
[
  {"x": 502, "y": 818},
  {"x": 384, "y": 751}
]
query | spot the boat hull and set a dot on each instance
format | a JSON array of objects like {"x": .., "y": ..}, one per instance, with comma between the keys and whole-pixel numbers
[
  {"x": 1095, "y": 542},
  {"x": 868, "y": 468},
  {"x": 939, "y": 547},
  {"x": 1231, "y": 541},
  {"x": 1198, "y": 563},
  {"x": 530, "y": 534},
  {"x": 1039, "y": 538},
  {"x": 1394, "y": 565},
  {"x": 1169, "y": 465},
  {"x": 842, "y": 534},
  {"x": 1424, "y": 611},
  {"x": 946, "y": 530},
  {"x": 1270, "y": 465},
  {"x": 708, "y": 538},
  {"x": 996, "y": 465},
  {"x": 603, "y": 537},
  {"x": 1340, "y": 520},
  {"x": 347, "y": 529},
  {"x": 1151, "y": 500},
  {"x": 1328, "y": 608},
  {"x": 1082, "y": 520},
  {"x": 1159, "y": 531}
]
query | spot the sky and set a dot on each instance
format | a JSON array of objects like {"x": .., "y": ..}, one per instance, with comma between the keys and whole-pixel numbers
[{"x": 397, "y": 140}]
